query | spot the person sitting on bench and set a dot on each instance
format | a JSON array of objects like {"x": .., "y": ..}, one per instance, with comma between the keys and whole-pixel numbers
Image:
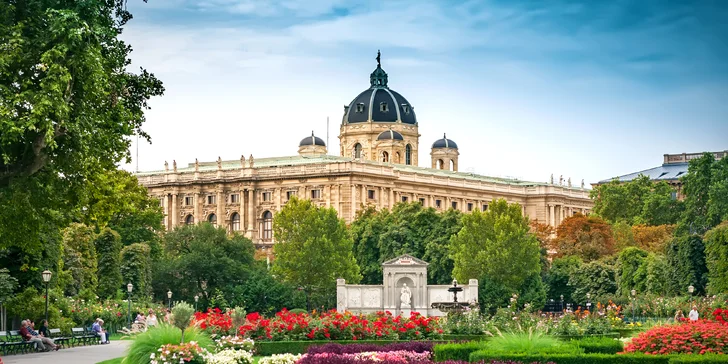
[{"x": 100, "y": 332}]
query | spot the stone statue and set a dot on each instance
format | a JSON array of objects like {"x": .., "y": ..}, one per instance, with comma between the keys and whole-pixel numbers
[
  {"x": 552, "y": 179},
  {"x": 569, "y": 181},
  {"x": 197, "y": 165},
  {"x": 174, "y": 165},
  {"x": 166, "y": 166},
  {"x": 250, "y": 160},
  {"x": 379, "y": 58},
  {"x": 242, "y": 161},
  {"x": 406, "y": 296},
  {"x": 561, "y": 180},
  {"x": 582, "y": 183},
  {"x": 219, "y": 163}
]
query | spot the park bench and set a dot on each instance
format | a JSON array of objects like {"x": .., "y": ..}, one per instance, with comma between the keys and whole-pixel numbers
[
  {"x": 58, "y": 338},
  {"x": 13, "y": 343},
  {"x": 79, "y": 335},
  {"x": 94, "y": 338}
]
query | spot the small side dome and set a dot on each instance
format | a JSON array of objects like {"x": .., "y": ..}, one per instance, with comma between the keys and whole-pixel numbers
[
  {"x": 390, "y": 135},
  {"x": 444, "y": 143},
  {"x": 312, "y": 140}
]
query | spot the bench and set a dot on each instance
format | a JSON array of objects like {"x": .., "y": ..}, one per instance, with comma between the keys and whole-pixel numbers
[
  {"x": 79, "y": 335},
  {"x": 13, "y": 343},
  {"x": 58, "y": 338}
]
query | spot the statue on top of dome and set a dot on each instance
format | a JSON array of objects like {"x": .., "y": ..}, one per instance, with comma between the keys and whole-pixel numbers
[{"x": 379, "y": 58}]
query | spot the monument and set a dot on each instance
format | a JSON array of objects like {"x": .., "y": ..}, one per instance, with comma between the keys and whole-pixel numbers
[{"x": 403, "y": 291}]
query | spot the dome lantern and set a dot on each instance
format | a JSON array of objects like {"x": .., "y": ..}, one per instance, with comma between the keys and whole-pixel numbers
[
  {"x": 312, "y": 146},
  {"x": 445, "y": 154}
]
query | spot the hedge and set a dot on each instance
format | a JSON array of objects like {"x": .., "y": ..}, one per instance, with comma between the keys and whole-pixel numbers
[
  {"x": 268, "y": 348},
  {"x": 682, "y": 359},
  {"x": 615, "y": 335},
  {"x": 450, "y": 337},
  {"x": 462, "y": 351},
  {"x": 486, "y": 356},
  {"x": 599, "y": 345}
]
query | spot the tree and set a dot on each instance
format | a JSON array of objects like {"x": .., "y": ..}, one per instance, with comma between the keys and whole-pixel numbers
[
  {"x": 262, "y": 293},
  {"x": 653, "y": 238},
  {"x": 640, "y": 201},
  {"x": 80, "y": 261},
  {"x": 313, "y": 247},
  {"x": 623, "y": 235},
  {"x": 108, "y": 248},
  {"x": 716, "y": 258},
  {"x": 490, "y": 239},
  {"x": 597, "y": 278},
  {"x": 67, "y": 111},
  {"x": 438, "y": 252},
  {"x": 652, "y": 275},
  {"x": 628, "y": 264},
  {"x": 136, "y": 269},
  {"x": 587, "y": 237},
  {"x": 203, "y": 253},
  {"x": 366, "y": 230},
  {"x": 8, "y": 284},
  {"x": 557, "y": 278},
  {"x": 686, "y": 264},
  {"x": 706, "y": 195}
]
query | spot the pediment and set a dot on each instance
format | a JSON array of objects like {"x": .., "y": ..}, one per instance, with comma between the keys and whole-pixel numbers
[{"x": 406, "y": 260}]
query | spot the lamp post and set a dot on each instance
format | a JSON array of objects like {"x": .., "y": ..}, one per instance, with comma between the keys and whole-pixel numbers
[
  {"x": 588, "y": 302},
  {"x": 562, "y": 303},
  {"x": 46, "y": 279},
  {"x": 169, "y": 296},
  {"x": 197, "y": 298},
  {"x": 691, "y": 289},
  {"x": 129, "y": 288},
  {"x": 634, "y": 296}
]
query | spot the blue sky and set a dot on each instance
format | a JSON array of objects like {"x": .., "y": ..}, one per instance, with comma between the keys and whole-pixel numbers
[{"x": 583, "y": 89}]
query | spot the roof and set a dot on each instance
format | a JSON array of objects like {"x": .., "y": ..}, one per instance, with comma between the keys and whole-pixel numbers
[
  {"x": 444, "y": 143},
  {"x": 665, "y": 172},
  {"x": 390, "y": 134},
  {"x": 406, "y": 259},
  {"x": 312, "y": 140},
  {"x": 379, "y": 103}
]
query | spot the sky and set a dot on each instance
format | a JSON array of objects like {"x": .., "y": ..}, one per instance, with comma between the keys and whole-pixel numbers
[{"x": 584, "y": 89}]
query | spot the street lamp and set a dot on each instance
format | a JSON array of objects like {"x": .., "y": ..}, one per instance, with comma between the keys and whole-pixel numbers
[
  {"x": 691, "y": 289},
  {"x": 169, "y": 295},
  {"x": 197, "y": 298},
  {"x": 562, "y": 303},
  {"x": 588, "y": 302},
  {"x": 129, "y": 288},
  {"x": 634, "y": 295},
  {"x": 46, "y": 279}
]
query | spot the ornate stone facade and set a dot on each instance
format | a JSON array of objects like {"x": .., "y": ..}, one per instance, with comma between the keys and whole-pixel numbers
[{"x": 377, "y": 166}]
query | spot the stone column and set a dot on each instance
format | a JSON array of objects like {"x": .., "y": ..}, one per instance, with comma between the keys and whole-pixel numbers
[
  {"x": 380, "y": 198},
  {"x": 221, "y": 208},
  {"x": 165, "y": 210},
  {"x": 198, "y": 207},
  {"x": 353, "y": 202},
  {"x": 364, "y": 194},
  {"x": 241, "y": 211},
  {"x": 174, "y": 211},
  {"x": 551, "y": 215},
  {"x": 251, "y": 213},
  {"x": 341, "y": 295},
  {"x": 327, "y": 192},
  {"x": 473, "y": 290},
  {"x": 391, "y": 198}
]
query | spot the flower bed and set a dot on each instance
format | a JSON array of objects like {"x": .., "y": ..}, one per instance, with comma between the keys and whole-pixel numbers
[
  {"x": 172, "y": 354},
  {"x": 391, "y": 357},
  {"x": 699, "y": 337},
  {"x": 333, "y": 325},
  {"x": 336, "y": 348},
  {"x": 280, "y": 359}
]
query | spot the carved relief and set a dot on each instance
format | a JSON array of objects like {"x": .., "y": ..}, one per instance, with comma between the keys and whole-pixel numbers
[{"x": 354, "y": 298}]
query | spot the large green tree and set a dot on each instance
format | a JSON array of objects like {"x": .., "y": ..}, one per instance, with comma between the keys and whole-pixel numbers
[
  {"x": 706, "y": 195},
  {"x": 686, "y": 264},
  {"x": 108, "y": 248},
  {"x": 629, "y": 262},
  {"x": 640, "y": 201},
  {"x": 68, "y": 106},
  {"x": 136, "y": 268},
  {"x": 80, "y": 260},
  {"x": 557, "y": 277},
  {"x": 597, "y": 278},
  {"x": 313, "y": 247},
  {"x": 496, "y": 244},
  {"x": 716, "y": 258}
]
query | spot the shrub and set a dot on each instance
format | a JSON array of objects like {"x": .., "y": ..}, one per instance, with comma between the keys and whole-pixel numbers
[
  {"x": 705, "y": 359},
  {"x": 181, "y": 315},
  {"x": 280, "y": 359},
  {"x": 173, "y": 354},
  {"x": 234, "y": 343},
  {"x": 699, "y": 337},
  {"x": 560, "y": 358},
  {"x": 336, "y": 348},
  {"x": 230, "y": 356},
  {"x": 601, "y": 345},
  {"x": 531, "y": 343},
  {"x": 457, "y": 351},
  {"x": 148, "y": 343}
]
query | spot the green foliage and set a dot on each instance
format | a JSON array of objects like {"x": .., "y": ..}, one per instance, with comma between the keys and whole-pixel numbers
[
  {"x": 628, "y": 264},
  {"x": 652, "y": 275},
  {"x": 588, "y": 237},
  {"x": 533, "y": 292},
  {"x": 79, "y": 259},
  {"x": 457, "y": 351},
  {"x": 262, "y": 293},
  {"x": 8, "y": 284},
  {"x": 601, "y": 345},
  {"x": 181, "y": 316},
  {"x": 706, "y": 195},
  {"x": 640, "y": 201},
  {"x": 108, "y": 247},
  {"x": 314, "y": 247},
  {"x": 716, "y": 258},
  {"x": 492, "y": 238},
  {"x": 67, "y": 109},
  {"x": 30, "y": 304},
  {"x": 203, "y": 253},
  {"x": 686, "y": 264},
  {"x": 557, "y": 278},
  {"x": 492, "y": 294},
  {"x": 703, "y": 359},
  {"x": 623, "y": 235},
  {"x": 365, "y": 232},
  {"x": 533, "y": 342},
  {"x": 597, "y": 278},
  {"x": 151, "y": 340},
  {"x": 559, "y": 358},
  {"x": 136, "y": 269}
]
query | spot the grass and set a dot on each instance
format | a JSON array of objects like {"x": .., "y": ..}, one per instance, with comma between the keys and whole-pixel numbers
[
  {"x": 148, "y": 342},
  {"x": 111, "y": 361},
  {"x": 528, "y": 343}
]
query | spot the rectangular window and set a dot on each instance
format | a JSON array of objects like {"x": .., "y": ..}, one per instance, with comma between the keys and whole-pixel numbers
[
  {"x": 315, "y": 194},
  {"x": 485, "y": 207},
  {"x": 470, "y": 207},
  {"x": 267, "y": 196},
  {"x": 235, "y": 198},
  {"x": 438, "y": 203},
  {"x": 673, "y": 195},
  {"x": 422, "y": 201},
  {"x": 404, "y": 198},
  {"x": 211, "y": 199},
  {"x": 371, "y": 194},
  {"x": 454, "y": 205},
  {"x": 189, "y": 200},
  {"x": 290, "y": 194}
]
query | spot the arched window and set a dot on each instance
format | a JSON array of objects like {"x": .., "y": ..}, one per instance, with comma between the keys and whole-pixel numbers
[
  {"x": 235, "y": 221},
  {"x": 212, "y": 219},
  {"x": 408, "y": 154},
  {"x": 396, "y": 157},
  {"x": 385, "y": 157},
  {"x": 189, "y": 220},
  {"x": 266, "y": 233},
  {"x": 357, "y": 151},
  {"x": 451, "y": 167},
  {"x": 440, "y": 164}
]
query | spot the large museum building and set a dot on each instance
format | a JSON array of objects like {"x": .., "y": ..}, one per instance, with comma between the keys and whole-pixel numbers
[{"x": 377, "y": 165}]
